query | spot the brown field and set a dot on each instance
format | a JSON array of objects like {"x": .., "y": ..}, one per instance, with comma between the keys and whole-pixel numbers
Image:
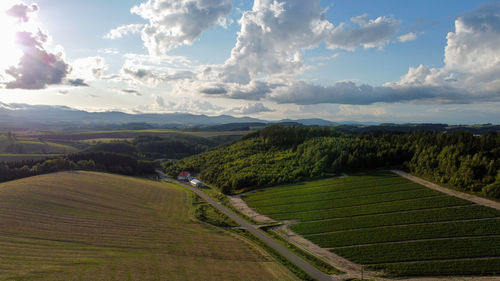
[{"x": 95, "y": 226}]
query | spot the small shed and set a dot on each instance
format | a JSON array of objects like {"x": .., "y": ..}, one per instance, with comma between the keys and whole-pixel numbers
[
  {"x": 183, "y": 176},
  {"x": 196, "y": 183}
]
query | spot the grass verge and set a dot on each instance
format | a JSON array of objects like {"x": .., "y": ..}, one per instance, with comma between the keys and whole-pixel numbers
[
  {"x": 284, "y": 261},
  {"x": 221, "y": 198},
  {"x": 207, "y": 213},
  {"x": 313, "y": 260}
]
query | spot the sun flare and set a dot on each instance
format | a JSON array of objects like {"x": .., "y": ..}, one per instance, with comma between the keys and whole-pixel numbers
[{"x": 10, "y": 50}]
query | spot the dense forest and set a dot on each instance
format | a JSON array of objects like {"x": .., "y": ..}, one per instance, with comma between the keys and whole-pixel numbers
[
  {"x": 171, "y": 146},
  {"x": 174, "y": 146},
  {"x": 285, "y": 154}
]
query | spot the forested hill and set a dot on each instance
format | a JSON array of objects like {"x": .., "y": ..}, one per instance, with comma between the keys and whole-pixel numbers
[{"x": 281, "y": 154}]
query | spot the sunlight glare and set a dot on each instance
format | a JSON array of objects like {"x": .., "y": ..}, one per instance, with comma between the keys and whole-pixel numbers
[{"x": 10, "y": 51}]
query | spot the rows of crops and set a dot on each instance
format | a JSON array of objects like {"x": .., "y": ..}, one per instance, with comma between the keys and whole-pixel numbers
[{"x": 389, "y": 224}]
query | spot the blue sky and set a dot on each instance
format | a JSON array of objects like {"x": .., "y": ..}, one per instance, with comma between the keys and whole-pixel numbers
[{"x": 385, "y": 61}]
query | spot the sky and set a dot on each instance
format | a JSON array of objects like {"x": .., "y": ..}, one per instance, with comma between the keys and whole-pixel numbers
[{"x": 378, "y": 61}]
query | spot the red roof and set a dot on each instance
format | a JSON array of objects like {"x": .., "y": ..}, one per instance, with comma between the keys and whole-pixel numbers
[{"x": 184, "y": 174}]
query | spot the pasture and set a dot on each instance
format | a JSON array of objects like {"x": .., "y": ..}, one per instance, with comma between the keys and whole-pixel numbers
[
  {"x": 96, "y": 226},
  {"x": 389, "y": 223}
]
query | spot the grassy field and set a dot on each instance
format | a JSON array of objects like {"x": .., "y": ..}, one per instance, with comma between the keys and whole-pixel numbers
[
  {"x": 27, "y": 145},
  {"x": 130, "y": 134},
  {"x": 12, "y": 157},
  {"x": 95, "y": 226},
  {"x": 35, "y": 146},
  {"x": 390, "y": 224}
]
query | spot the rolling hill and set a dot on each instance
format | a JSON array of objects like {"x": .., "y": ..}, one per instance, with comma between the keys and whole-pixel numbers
[{"x": 95, "y": 226}]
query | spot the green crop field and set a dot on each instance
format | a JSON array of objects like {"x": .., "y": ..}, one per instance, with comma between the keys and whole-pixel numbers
[
  {"x": 389, "y": 223},
  {"x": 95, "y": 226}
]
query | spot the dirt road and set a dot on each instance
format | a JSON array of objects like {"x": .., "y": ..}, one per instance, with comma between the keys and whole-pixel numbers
[
  {"x": 351, "y": 269},
  {"x": 239, "y": 204},
  {"x": 465, "y": 196}
]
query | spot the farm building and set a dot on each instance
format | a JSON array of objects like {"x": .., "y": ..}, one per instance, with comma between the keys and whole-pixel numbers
[
  {"x": 196, "y": 183},
  {"x": 183, "y": 176}
]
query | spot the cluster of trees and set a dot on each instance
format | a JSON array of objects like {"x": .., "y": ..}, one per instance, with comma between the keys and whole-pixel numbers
[
  {"x": 461, "y": 160},
  {"x": 173, "y": 146},
  {"x": 284, "y": 154},
  {"x": 115, "y": 163},
  {"x": 95, "y": 161},
  {"x": 118, "y": 147}
]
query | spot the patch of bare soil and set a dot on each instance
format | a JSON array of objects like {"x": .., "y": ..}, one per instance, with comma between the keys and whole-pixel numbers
[{"x": 242, "y": 206}]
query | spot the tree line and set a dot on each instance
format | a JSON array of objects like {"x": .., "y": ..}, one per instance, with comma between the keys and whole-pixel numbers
[
  {"x": 286, "y": 154},
  {"x": 93, "y": 161}
]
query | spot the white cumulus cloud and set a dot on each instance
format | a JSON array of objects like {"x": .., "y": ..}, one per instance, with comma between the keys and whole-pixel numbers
[
  {"x": 410, "y": 36},
  {"x": 250, "y": 109},
  {"x": 273, "y": 35},
  {"x": 267, "y": 59},
  {"x": 172, "y": 23},
  {"x": 124, "y": 30},
  {"x": 471, "y": 56},
  {"x": 90, "y": 68},
  {"x": 369, "y": 33},
  {"x": 471, "y": 72}
]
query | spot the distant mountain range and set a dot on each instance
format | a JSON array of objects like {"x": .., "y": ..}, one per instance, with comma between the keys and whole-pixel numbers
[
  {"x": 23, "y": 114},
  {"x": 22, "y": 117}
]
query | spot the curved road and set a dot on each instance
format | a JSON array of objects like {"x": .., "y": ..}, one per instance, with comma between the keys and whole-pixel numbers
[{"x": 311, "y": 270}]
